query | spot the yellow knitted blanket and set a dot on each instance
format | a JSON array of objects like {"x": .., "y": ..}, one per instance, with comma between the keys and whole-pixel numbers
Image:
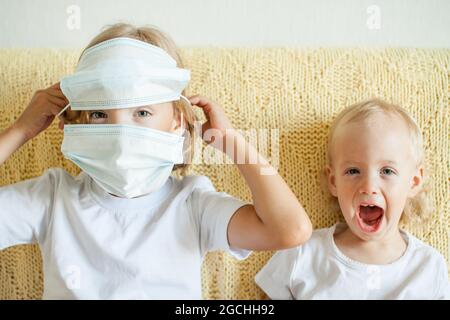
[{"x": 297, "y": 91}]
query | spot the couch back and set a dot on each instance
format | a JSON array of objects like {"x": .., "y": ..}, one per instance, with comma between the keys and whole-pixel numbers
[{"x": 292, "y": 93}]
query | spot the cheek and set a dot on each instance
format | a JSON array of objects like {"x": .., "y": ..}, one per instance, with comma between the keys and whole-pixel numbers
[
  {"x": 162, "y": 122},
  {"x": 396, "y": 188},
  {"x": 164, "y": 118},
  {"x": 345, "y": 192},
  {"x": 395, "y": 193},
  {"x": 345, "y": 187}
]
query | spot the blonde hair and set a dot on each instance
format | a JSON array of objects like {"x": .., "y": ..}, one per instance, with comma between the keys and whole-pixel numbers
[
  {"x": 419, "y": 205},
  {"x": 157, "y": 38}
]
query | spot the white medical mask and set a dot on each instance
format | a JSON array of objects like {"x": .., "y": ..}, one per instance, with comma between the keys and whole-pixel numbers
[
  {"x": 124, "y": 73},
  {"x": 126, "y": 161}
]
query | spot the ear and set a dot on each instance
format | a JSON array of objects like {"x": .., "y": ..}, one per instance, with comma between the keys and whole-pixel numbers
[
  {"x": 416, "y": 182},
  {"x": 176, "y": 127},
  {"x": 331, "y": 180}
]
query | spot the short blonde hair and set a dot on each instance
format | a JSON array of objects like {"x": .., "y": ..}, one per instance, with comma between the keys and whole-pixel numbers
[
  {"x": 157, "y": 38},
  {"x": 418, "y": 206}
]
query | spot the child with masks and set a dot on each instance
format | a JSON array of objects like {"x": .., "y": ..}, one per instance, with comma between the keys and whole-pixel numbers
[{"x": 124, "y": 228}]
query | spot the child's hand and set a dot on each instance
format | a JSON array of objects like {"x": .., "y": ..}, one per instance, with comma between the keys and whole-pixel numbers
[
  {"x": 276, "y": 220},
  {"x": 216, "y": 121},
  {"x": 40, "y": 112}
]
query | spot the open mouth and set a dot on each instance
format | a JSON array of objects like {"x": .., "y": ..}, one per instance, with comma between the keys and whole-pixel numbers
[{"x": 370, "y": 217}]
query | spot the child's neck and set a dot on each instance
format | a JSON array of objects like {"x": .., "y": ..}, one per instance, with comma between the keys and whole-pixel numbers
[{"x": 382, "y": 251}]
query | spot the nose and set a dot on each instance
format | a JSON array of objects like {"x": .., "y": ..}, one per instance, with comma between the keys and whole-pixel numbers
[
  {"x": 368, "y": 186},
  {"x": 119, "y": 116}
]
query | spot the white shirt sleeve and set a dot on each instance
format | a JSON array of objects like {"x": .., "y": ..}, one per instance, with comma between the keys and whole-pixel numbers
[
  {"x": 24, "y": 210},
  {"x": 443, "y": 292},
  {"x": 445, "y": 295},
  {"x": 213, "y": 211},
  {"x": 275, "y": 277}
]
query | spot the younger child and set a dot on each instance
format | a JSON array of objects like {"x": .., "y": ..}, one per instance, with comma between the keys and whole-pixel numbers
[{"x": 375, "y": 170}]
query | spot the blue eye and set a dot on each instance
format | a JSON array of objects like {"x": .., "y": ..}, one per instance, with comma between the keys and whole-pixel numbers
[
  {"x": 387, "y": 171},
  {"x": 97, "y": 115},
  {"x": 143, "y": 113},
  {"x": 352, "y": 171}
]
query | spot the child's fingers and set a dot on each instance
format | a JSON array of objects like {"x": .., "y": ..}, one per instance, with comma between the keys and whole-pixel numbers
[
  {"x": 57, "y": 93},
  {"x": 55, "y": 90},
  {"x": 198, "y": 100},
  {"x": 57, "y": 101},
  {"x": 52, "y": 109},
  {"x": 55, "y": 109},
  {"x": 202, "y": 102},
  {"x": 56, "y": 86},
  {"x": 194, "y": 99},
  {"x": 215, "y": 116}
]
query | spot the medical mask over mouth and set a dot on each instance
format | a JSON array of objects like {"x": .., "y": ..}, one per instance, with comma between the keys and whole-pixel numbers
[{"x": 125, "y": 160}]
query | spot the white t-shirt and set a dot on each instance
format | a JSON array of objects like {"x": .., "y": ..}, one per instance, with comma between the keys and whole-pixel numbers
[
  {"x": 319, "y": 270},
  {"x": 97, "y": 246}
]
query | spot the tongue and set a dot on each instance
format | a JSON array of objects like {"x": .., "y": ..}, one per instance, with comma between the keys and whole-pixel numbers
[{"x": 370, "y": 214}]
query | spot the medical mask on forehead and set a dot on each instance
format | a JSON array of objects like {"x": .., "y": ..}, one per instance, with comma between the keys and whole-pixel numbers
[
  {"x": 124, "y": 73},
  {"x": 126, "y": 161}
]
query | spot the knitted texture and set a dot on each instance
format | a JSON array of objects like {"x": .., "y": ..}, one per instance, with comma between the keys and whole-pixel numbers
[{"x": 294, "y": 91}]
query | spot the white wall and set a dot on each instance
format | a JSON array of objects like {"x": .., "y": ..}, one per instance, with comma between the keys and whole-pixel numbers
[{"x": 412, "y": 23}]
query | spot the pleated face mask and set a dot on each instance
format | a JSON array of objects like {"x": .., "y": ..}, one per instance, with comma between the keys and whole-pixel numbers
[
  {"x": 124, "y": 73},
  {"x": 125, "y": 160}
]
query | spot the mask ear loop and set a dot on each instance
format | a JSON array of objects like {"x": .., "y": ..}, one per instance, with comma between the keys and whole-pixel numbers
[
  {"x": 63, "y": 110},
  {"x": 186, "y": 100},
  {"x": 187, "y": 137}
]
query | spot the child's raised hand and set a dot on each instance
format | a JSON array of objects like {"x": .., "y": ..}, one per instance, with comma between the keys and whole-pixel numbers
[
  {"x": 41, "y": 111},
  {"x": 217, "y": 123}
]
